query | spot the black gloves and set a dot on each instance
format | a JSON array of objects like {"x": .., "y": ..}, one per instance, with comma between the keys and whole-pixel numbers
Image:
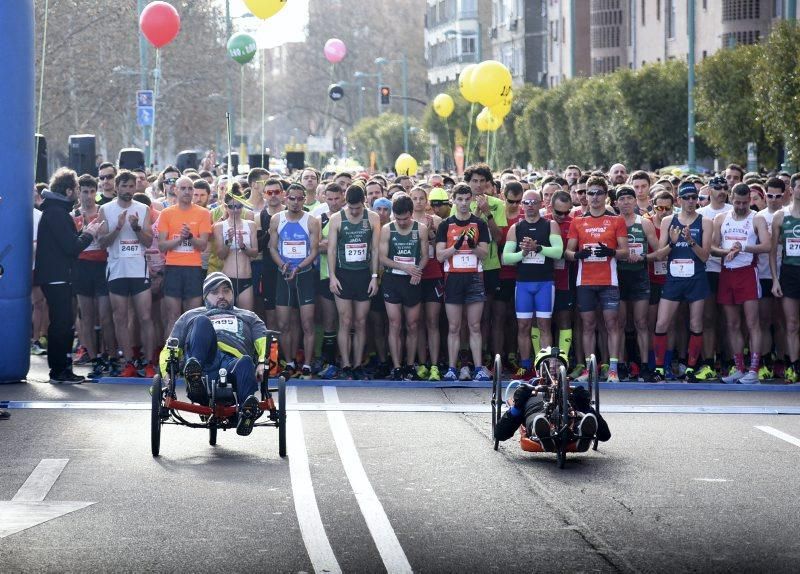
[
  {"x": 460, "y": 241},
  {"x": 604, "y": 250},
  {"x": 584, "y": 253}
]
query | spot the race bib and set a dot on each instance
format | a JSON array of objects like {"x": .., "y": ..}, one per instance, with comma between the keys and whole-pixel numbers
[
  {"x": 294, "y": 249},
  {"x": 559, "y": 264},
  {"x": 533, "y": 258},
  {"x": 403, "y": 260},
  {"x": 185, "y": 246},
  {"x": 465, "y": 261},
  {"x": 660, "y": 268},
  {"x": 792, "y": 247},
  {"x": 225, "y": 323},
  {"x": 594, "y": 258},
  {"x": 731, "y": 240},
  {"x": 636, "y": 249},
  {"x": 681, "y": 267},
  {"x": 431, "y": 251},
  {"x": 130, "y": 248},
  {"x": 355, "y": 252}
]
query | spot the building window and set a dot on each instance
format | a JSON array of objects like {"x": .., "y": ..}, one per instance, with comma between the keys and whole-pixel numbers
[
  {"x": 643, "y": 18},
  {"x": 670, "y": 8},
  {"x": 740, "y": 10}
]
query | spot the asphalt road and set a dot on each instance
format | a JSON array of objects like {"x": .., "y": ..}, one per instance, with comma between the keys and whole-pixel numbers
[{"x": 370, "y": 491}]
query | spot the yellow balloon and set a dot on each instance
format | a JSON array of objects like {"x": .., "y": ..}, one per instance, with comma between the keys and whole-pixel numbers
[
  {"x": 465, "y": 83},
  {"x": 405, "y": 164},
  {"x": 501, "y": 110},
  {"x": 487, "y": 121},
  {"x": 265, "y": 8},
  {"x": 443, "y": 105},
  {"x": 491, "y": 82}
]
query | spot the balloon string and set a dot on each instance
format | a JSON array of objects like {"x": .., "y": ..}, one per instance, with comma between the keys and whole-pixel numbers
[
  {"x": 469, "y": 132},
  {"x": 263, "y": 91},
  {"x": 41, "y": 89},
  {"x": 241, "y": 111},
  {"x": 450, "y": 140},
  {"x": 155, "y": 99}
]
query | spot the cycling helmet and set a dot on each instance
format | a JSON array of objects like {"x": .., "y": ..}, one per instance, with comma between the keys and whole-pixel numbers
[{"x": 548, "y": 353}]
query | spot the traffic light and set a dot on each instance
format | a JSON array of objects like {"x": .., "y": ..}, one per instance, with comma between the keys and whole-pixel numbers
[
  {"x": 385, "y": 95},
  {"x": 335, "y": 92}
]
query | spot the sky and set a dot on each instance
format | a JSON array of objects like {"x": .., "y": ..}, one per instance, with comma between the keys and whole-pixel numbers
[{"x": 288, "y": 25}]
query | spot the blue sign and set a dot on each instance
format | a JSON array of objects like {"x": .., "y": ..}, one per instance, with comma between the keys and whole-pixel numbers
[
  {"x": 144, "y": 115},
  {"x": 144, "y": 98}
]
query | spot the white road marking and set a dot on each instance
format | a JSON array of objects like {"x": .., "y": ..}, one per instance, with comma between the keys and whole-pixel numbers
[
  {"x": 27, "y": 508},
  {"x": 711, "y": 479},
  {"x": 392, "y": 554},
  {"x": 41, "y": 480},
  {"x": 305, "y": 501},
  {"x": 781, "y": 435}
]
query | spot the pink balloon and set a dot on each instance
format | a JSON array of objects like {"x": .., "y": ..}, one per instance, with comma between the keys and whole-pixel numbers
[
  {"x": 335, "y": 50},
  {"x": 160, "y": 23}
]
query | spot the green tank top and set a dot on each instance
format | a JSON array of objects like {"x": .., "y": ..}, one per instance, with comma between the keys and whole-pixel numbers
[
  {"x": 404, "y": 248},
  {"x": 637, "y": 243},
  {"x": 323, "y": 256},
  {"x": 354, "y": 244},
  {"x": 790, "y": 239}
]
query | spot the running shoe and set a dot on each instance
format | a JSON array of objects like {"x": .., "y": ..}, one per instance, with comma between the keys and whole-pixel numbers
[
  {"x": 99, "y": 368},
  {"x": 586, "y": 431},
  {"x": 682, "y": 369},
  {"x": 764, "y": 373},
  {"x": 129, "y": 371},
  {"x": 433, "y": 374},
  {"x": 579, "y": 369},
  {"x": 410, "y": 374},
  {"x": 542, "y": 430},
  {"x": 705, "y": 373},
  {"x": 81, "y": 357},
  {"x": 248, "y": 414},
  {"x": 346, "y": 374},
  {"x": 779, "y": 369},
  {"x": 383, "y": 370},
  {"x": 328, "y": 373},
  {"x": 465, "y": 374},
  {"x": 657, "y": 376},
  {"x": 482, "y": 374},
  {"x": 750, "y": 378},
  {"x": 612, "y": 377},
  {"x": 790, "y": 374},
  {"x": 584, "y": 376},
  {"x": 146, "y": 370},
  {"x": 634, "y": 372},
  {"x": 422, "y": 372},
  {"x": 451, "y": 374},
  {"x": 193, "y": 377},
  {"x": 689, "y": 375},
  {"x": 603, "y": 372},
  {"x": 289, "y": 371},
  {"x": 733, "y": 378},
  {"x": 66, "y": 377},
  {"x": 305, "y": 372},
  {"x": 359, "y": 374},
  {"x": 317, "y": 366},
  {"x": 647, "y": 375},
  {"x": 37, "y": 349},
  {"x": 396, "y": 374}
]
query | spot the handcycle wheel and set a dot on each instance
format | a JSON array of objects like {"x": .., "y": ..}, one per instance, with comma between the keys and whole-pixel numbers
[
  {"x": 282, "y": 417},
  {"x": 497, "y": 397},
  {"x": 155, "y": 415},
  {"x": 595, "y": 389},
  {"x": 561, "y": 454},
  {"x": 212, "y": 433},
  {"x": 563, "y": 436}
]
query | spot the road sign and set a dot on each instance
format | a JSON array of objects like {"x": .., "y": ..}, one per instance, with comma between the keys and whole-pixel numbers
[
  {"x": 144, "y": 115},
  {"x": 144, "y": 98}
]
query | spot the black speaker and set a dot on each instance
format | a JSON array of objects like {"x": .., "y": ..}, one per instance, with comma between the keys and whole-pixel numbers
[
  {"x": 295, "y": 160},
  {"x": 42, "y": 173},
  {"x": 82, "y": 154},
  {"x": 187, "y": 159},
  {"x": 234, "y": 162},
  {"x": 130, "y": 158},
  {"x": 258, "y": 160}
]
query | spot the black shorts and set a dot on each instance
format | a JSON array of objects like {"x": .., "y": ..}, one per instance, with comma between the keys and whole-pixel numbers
[
  {"x": 655, "y": 292},
  {"x": 376, "y": 303},
  {"x": 432, "y": 290},
  {"x": 89, "y": 278},
  {"x": 766, "y": 288},
  {"x": 790, "y": 281},
  {"x": 240, "y": 285},
  {"x": 491, "y": 281},
  {"x": 324, "y": 289},
  {"x": 128, "y": 286},
  {"x": 183, "y": 282},
  {"x": 634, "y": 285},
  {"x": 300, "y": 292},
  {"x": 713, "y": 283},
  {"x": 398, "y": 290},
  {"x": 354, "y": 283},
  {"x": 592, "y": 297},
  {"x": 563, "y": 301},
  {"x": 688, "y": 289},
  {"x": 464, "y": 288},
  {"x": 505, "y": 290},
  {"x": 269, "y": 283}
]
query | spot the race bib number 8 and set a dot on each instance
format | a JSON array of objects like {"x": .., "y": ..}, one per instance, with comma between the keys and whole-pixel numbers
[
  {"x": 294, "y": 249},
  {"x": 355, "y": 252},
  {"x": 681, "y": 267},
  {"x": 636, "y": 249}
]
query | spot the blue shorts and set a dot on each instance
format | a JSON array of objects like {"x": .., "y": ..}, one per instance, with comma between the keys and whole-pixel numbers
[
  {"x": 690, "y": 289},
  {"x": 592, "y": 297},
  {"x": 534, "y": 297}
]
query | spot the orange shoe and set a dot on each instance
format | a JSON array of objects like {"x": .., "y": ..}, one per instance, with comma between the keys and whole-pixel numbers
[{"x": 129, "y": 371}]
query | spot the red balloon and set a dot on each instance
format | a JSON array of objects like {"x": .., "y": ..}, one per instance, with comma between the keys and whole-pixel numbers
[{"x": 160, "y": 23}]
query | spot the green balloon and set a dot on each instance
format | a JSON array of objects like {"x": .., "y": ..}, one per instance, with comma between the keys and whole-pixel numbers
[{"x": 242, "y": 47}]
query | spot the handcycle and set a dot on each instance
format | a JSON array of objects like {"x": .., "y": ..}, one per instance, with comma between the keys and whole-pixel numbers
[
  {"x": 221, "y": 411},
  {"x": 558, "y": 405}
]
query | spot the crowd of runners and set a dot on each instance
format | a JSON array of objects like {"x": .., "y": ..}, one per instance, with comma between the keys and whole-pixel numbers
[{"x": 425, "y": 278}]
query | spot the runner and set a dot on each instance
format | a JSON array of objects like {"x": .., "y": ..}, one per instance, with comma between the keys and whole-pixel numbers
[
  {"x": 236, "y": 245},
  {"x": 738, "y": 234},
  {"x": 462, "y": 242},
  {"x": 334, "y": 200},
  {"x": 273, "y": 191},
  {"x": 504, "y": 295},
  {"x": 404, "y": 254}
]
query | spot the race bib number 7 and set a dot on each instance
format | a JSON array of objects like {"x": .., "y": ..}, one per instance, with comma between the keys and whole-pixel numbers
[{"x": 681, "y": 267}]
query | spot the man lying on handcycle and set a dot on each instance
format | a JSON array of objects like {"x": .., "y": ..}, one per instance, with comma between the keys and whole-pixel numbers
[
  {"x": 221, "y": 336},
  {"x": 528, "y": 408}
]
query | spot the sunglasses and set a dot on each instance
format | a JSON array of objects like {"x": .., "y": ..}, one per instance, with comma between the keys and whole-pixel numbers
[
  {"x": 438, "y": 203},
  {"x": 105, "y": 177},
  {"x": 663, "y": 208},
  {"x": 691, "y": 197},
  {"x": 234, "y": 205},
  {"x": 272, "y": 192},
  {"x": 560, "y": 213},
  {"x": 774, "y": 195},
  {"x": 595, "y": 192},
  {"x": 170, "y": 181},
  {"x": 718, "y": 187},
  {"x": 513, "y": 201},
  {"x": 702, "y": 197},
  {"x": 529, "y": 202}
]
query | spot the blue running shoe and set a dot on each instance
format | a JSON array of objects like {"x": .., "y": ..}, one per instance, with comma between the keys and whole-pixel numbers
[
  {"x": 482, "y": 374},
  {"x": 451, "y": 375},
  {"x": 329, "y": 373}
]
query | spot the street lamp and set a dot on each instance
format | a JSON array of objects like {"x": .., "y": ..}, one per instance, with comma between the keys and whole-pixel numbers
[
  {"x": 404, "y": 61},
  {"x": 360, "y": 77}
]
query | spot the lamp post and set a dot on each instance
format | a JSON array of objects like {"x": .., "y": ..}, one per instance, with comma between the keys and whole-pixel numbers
[
  {"x": 692, "y": 161},
  {"x": 360, "y": 77},
  {"x": 143, "y": 64},
  {"x": 404, "y": 61}
]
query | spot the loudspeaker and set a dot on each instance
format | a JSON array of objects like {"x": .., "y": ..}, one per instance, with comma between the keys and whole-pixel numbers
[
  {"x": 42, "y": 173},
  {"x": 295, "y": 160},
  {"x": 130, "y": 158},
  {"x": 82, "y": 154},
  {"x": 234, "y": 162},
  {"x": 187, "y": 159},
  {"x": 258, "y": 160}
]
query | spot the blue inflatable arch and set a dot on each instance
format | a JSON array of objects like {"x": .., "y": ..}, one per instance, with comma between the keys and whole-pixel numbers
[{"x": 16, "y": 193}]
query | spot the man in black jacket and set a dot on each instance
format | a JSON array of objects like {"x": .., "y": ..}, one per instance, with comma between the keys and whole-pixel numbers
[{"x": 58, "y": 246}]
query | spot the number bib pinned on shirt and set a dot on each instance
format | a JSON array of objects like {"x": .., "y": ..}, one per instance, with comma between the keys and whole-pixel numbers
[
  {"x": 660, "y": 268},
  {"x": 792, "y": 247},
  {"x": 465, "y": 261},
  {"x": 225, "y": 323},
  {"x": 354, "y": 252},
  {"x": 294, "y": 249},
  {"x": 533, "y": 258},
  {"x": 130, "y": 248},
  {"x": 404, "y": 261},
  {"x": 185, "y": 246},
  {"x": 681, "y": 268}
]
